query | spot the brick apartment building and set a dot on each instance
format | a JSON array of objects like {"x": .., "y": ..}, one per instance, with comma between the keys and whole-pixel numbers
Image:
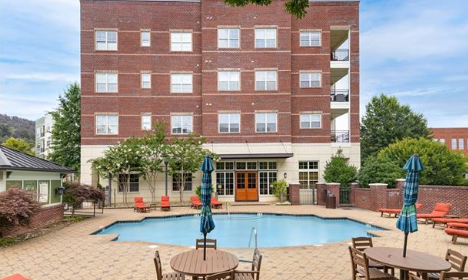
[
  {"x": 274, "y": 95},
  {"x": 456, "y": 138}
]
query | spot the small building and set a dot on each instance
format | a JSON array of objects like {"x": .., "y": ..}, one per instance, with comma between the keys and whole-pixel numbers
[
  {"x": 44, "y": 135},
  {"x": 21, "y": 170}
]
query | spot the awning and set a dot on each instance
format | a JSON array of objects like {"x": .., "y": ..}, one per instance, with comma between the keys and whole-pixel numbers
[{"x": 255, "y": 156}]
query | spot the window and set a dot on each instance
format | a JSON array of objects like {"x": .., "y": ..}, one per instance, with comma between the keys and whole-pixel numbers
[
  {"x": 145, "y": 80},
  {"x": 310, "y": 120},
  {"x": 229, "y": 122},
  {"x": 266, "y": 180},
  {"x": 310, "y": 38},
  {"x": 268, "y": 165},
  {"x": 106, "y": 40},
  {"x": 265, "y": 122},
  {"x": 181, "y": 41},
  {"x": 181, "y": 83},
  {"x": 228, "y": 37},
  {"x": 225, "y": 165},
  {"x": 454, "y": 144},
  {"x": 181, "y": 124},
  {"x": 106, "y": 82},
  {"x": 265, "y": 37},
  {"x": 177, "y": 181},
  {"x": 310, "y": 79},
  {"x": 461, "y": 143},
  {"x": 228, "y": 80},
  {"x": 442, "y": 141},
  {"x": 308, "y": 174},
  {"x": 145, "y": 38},
  {"x": 133, "y": 185},
  {"x": 225, "y": 183},
  {"x": 107, "y": 124},
  {"x": 146, "y": 121},
  {"x": 265, "y": 80}
]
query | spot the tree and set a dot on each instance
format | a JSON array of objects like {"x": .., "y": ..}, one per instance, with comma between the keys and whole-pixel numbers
[
  {"x": 75, "y": 194},
  {"x": 297, "y": 8},
  {"x": 19, "y": 145},
  {"x": 66, "y": 131},
  {"x": 337, "y": 170},
  {"x": 387, "y": 121},
  {"x": 441, "y": 165},
  {"x": 379, "y": 170}
]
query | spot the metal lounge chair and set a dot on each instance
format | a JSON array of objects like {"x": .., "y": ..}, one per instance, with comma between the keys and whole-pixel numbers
[
  {"x": 457, "y": 230},
  {"x": 361, "y": 270},
  {"x": 445, "y": 221},
  {"x": 196, "y": 203},
  {"x": 165, "y": 204},
  {"x": 440, "y": 211},
  {"x": 215, "y": 203},
  {"x": 394, "y": 211},
  {"x": 167, "y": 276},
  {"x": 139, "y": 204}
]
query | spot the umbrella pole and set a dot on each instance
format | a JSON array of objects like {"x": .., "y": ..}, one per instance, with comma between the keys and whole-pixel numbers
[
  {"x": 204, "y": 247},
  {"x": 405, "y": 245}
]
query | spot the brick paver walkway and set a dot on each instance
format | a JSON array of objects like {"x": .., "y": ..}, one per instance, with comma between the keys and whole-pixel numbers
[{"x": 72, "y": 253}]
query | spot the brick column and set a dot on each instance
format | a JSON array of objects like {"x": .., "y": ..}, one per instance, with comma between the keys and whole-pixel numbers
[
  {"x": 334, "y": 188},
  {"x": 321, "y": 187},
  {"x": 294, "y": 195},
  {"x": 378, "y": 196},
  {"x": 352, "y": 193},
  {"x": 400, "y": 185}
]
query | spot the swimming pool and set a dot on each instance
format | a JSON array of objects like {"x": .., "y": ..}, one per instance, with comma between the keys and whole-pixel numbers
[{"x": 234, "y": 230}]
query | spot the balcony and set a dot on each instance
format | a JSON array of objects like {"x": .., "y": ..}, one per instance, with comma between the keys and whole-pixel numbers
[
  {"x": 339, "y": 95},
  {"x": 340, "y": 55},
  {"x": 340, "y": 136}
]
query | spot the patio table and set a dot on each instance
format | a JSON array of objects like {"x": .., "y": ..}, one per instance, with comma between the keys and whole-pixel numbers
[
  {"x": 414, "y": 261},
  {"x": 192, "y": 263}
]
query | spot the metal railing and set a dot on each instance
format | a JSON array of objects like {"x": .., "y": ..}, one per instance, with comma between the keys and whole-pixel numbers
[
  {"x": 340, "y": 55},
  {"x": 340, "y": 136},
  {"x": 339, "y": 95},
  {"x": 254, "y": 234},
  {"x": 344, "y": 195}
]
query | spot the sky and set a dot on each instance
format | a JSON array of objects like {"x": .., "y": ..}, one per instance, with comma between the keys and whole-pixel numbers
[{"x": 416, "y": 50}]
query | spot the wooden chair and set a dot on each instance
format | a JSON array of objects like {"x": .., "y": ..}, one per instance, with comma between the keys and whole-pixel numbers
[
  {"x": 221, "y": 276},
  {"x": 253, "y": 274},
  {"x": 456, "y": 259},
  {"x": 454, "y": 275},
  {"x": 210, "y": 244},
  {"x": 361, "y": 244},
  {"x": 167, "y": 276},
  {"x": 360, "y": 267}
]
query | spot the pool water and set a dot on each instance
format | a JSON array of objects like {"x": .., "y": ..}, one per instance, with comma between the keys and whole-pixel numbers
[{"x": 235, "y": 230}]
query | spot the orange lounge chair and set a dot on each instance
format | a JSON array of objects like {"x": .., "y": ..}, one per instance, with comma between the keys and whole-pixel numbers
[
  {"x": 445, "y": 221},
  {"x": 394, "y": 211},
  {"x": 15, "y": 277},
  {"x": 165, "y": 204},
  {"x": 215, "y": 203},
  {"x": 139, "y": 204},
  {"x": 440, "y": 210},
  {"x": 196, "y": 203},
  {"x": 457, "y": 230}
]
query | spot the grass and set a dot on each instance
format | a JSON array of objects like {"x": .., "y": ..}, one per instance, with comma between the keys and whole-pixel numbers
[{"x": 8, "y": 241}]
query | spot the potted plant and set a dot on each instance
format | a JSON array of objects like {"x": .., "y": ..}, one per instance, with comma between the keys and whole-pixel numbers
[{"x": 279, "y": 189}]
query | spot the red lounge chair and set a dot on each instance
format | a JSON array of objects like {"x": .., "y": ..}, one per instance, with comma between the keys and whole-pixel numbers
[
  {"x": 394, "y": 211},
  {"x": 215, "y": 203},
  {"x": 440, "y": 210},
  {"x": 165, "y": 204},
  {"x": 139, "y": 204},
  {"x": 445, "y": 221},
  {"x": 196, "y": 203},
  {"x": 15, "y": 277},
  {"x": 457, "y": 230}
]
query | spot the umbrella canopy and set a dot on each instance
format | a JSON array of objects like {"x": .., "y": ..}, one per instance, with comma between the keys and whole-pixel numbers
[
  {"x": 206, "y": 222},
  {"x": 407, "y": 221}
]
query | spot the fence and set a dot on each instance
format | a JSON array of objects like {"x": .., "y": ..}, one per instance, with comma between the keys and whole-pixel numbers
[{"x": 345, "y": 195}]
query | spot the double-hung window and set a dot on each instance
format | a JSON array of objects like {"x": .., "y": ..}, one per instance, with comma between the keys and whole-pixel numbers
[
  {"x": 228, "y": 80},
  {"x": 265, "y": 37},
  {"x": 310, "y": 38},
  {"x": 107, "y": 124},
  {"x": 266, "y": 122},
  {"x": 228, "y": 38},
  {"x": 310, "y": 79},
  {"x": 145, "y": 38},
  {"x": 146, "y": 80},
  {"x": 229, "y": 122},
  {"x": 146, "y": 121},
  {"x": 181, "y": 83},
  {"x": 310, "y": 120},
  {"x": 106, "y": 82},
  {"x": 454, "y": 144},
  {"x": 181, "y": 41},
  {"x": 265, "y": 80},
  {"x": 461, "y": 144},
  {"x": 181, "y": 124},
  {"x": 308, "y": 174},
  {"x": 178, "y": 180},
  {"x": 106, "y": 40},
  {"x": 132, "y": 181}
]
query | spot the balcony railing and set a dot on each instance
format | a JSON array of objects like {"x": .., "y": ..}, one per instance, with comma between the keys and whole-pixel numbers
[
  {"x": 340, "y": 55},
  {"x": 340, "y": 136},
  {"x": 339, "y": 95}
]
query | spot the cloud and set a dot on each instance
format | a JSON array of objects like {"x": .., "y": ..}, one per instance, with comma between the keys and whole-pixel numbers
[{"x": 43, "y": 77}]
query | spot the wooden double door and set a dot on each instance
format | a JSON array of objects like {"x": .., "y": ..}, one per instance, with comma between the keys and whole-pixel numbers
[{"x": 246, "y": 186}]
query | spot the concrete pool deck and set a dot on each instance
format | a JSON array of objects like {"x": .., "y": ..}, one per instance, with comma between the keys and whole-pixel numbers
[{"x": 72, "y": 253}]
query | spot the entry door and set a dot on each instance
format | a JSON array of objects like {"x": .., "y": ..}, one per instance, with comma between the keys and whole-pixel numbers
[{"x": 246, "y": 186}]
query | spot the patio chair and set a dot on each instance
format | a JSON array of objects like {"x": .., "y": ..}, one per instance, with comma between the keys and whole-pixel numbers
[
  {"x": 457, "y": 230},
  {"x": 196, "y": 203},
  {"x": 440, "y": 211},
  {"x": 215, "y": 203},
  {"x": 361, "y": 270},
  {"x": 456, "y": 259},
  {"x": 454, "y": 275},
  {"x": 210, "y": 244},
  {"x": 15, "y": 277},
  {"x": 361, "y": 244},
  {"x": 253, "y": 274},
  {"x": 445, "y": 221},
  {"x": 139, "y": 204},
  {"x": 165, "y": 204},
  {"x": 394, "y": 211},
  {"x": 221, "y": 276},
  {"x": 167, "y": 276}
]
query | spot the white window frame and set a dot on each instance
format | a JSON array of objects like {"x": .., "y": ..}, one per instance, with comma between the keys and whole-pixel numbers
[
  {"x": 107, "y": 124},
  {"x": 143, "y": 42},
  {"x": 264, "y": 75},
  {"x": 308, "y": 33},
  {"x": 265, "y": 121},
  {"x": 264, "y": 30},
  {"x": 442, "y": 140},
  {"x": 145, "y": 79},
  {"x": 230, "y": 79},
  {"x": 310, "y": 114},
  {"x": 179, "y": 87},
  {"x": 181, "y": 116},
  {"x": 229, "y": 123},
  {"x": 454, "y": 143},
  {"x": 461, "y": 144},
  {"x": 178, "y": 45},
  {"x": 108, "y": 45},
  {"x": 145, "y": 122},
  {"x": 229, "y": 39},
  {"x": 308, "y": 170},
  {"x": 106, "y": 75},
  {"x": 309, "y": 80}
]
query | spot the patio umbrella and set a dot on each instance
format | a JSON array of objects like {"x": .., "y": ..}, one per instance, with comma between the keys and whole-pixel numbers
[
  {"x": 206, "y": 223},
  {"x": 407, "y": 221}
]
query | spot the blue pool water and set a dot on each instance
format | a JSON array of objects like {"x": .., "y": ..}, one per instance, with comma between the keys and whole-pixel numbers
[{"x": 234, "y": 230}]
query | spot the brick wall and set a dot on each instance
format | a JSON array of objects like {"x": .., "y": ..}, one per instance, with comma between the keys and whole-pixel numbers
[
  {"x": 45, "y": 217},
  {"x": 294, "y": 194},
  {"x": 449, "y": 133}
]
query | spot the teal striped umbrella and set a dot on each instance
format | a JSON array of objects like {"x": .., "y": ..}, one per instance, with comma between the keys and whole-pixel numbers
[
  {"x": 407, "y": 221},
  {"x": 206, "y": 222}
]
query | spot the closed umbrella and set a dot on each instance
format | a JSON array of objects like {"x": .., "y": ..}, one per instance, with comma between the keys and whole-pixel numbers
[
  {"x": 206, "y": 222},
  {"x": 407, "y": 222}
]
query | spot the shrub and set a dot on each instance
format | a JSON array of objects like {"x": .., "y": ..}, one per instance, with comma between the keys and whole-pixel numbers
[
  {"x": 376, "y": 170},
  {"x": 337, "y": 170},
  {"x": 75, "y": 194},
  {"x": 17, "y": 207},
  {"x": 279, "y": 189}
]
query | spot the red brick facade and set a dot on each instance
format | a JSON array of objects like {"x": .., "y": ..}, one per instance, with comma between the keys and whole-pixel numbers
[{"x": 447, "y": 135}]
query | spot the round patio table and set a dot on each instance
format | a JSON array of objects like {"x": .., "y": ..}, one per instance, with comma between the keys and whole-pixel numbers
[
  {"x": 192, "y": 263},
  {"x": 414, "y": 261}
]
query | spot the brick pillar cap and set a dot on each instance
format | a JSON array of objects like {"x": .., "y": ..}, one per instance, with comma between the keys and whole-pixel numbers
[
  {"x": 332, "y": 184},
  {"x": 378, "y": 185},
  {"x": 321, "y": 183},
  {"x": 400, "y": 180}
]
